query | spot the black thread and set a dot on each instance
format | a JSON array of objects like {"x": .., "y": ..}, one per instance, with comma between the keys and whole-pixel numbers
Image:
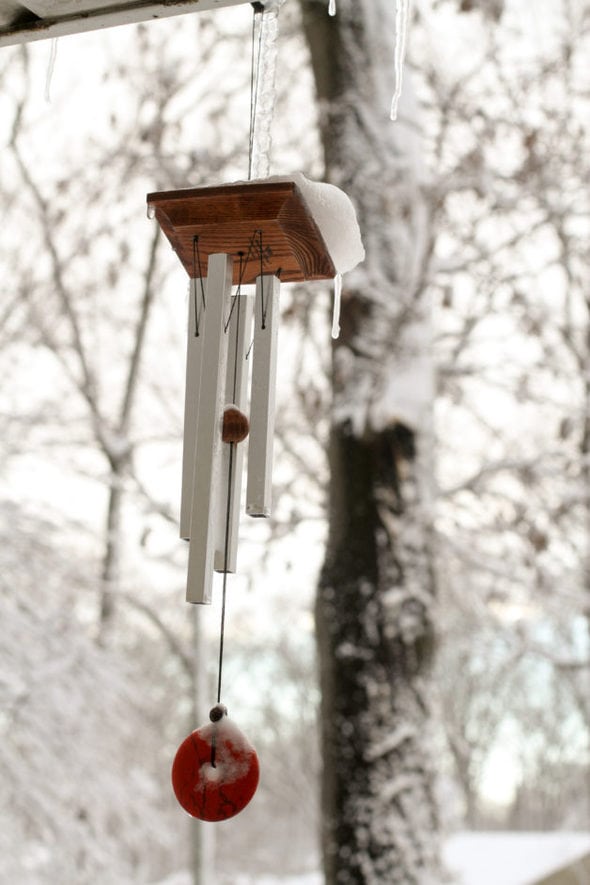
[
  {"x": 251, "y": 132},
  {"x": 237, "y": 349},
  {"x": 254, "y": 79},
  {"x": 194, "y": 288},
  {"x": 263, "y": 306},
  {"x": 200, "y": 273},
  {"x": 260, "y": 251},
  {"x": 238, "y": 300},
  {"x": 244, "y": 260},
  {"x": 238, "y": 290},
  {"x": 252, "y": 248},
  {"x": 225, "y": 569},
  {"x": 197, "y": 272}
]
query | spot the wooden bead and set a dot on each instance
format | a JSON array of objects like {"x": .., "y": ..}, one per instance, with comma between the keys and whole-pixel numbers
[
  {"x": 235, "y": 425},
  {"x": 217, "y": 712}
]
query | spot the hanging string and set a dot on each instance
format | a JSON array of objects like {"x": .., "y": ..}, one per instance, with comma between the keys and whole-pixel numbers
[
  {"x": 237, "y": 348},
  {"x": 241, "y": 271},
  {"x": 237, "y": 305},
  {"x": 197, "y": 272},
  {"x": 255, "y": 243},
  {"x": 262, "y": 304},
  {"x": 195, "y": 308},
  {"x": 255, "y": 248},
  {"x": 224, "y": 588},
  {"x": 257, "y": 19},
  {"x": 225, "y": 570}
]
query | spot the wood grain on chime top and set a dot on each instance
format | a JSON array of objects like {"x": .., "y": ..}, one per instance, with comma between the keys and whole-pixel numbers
[{"x": 267, "y": 223}]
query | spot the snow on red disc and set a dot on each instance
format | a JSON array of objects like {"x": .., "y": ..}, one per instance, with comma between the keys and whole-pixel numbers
[{"x": 215, "y": 786}]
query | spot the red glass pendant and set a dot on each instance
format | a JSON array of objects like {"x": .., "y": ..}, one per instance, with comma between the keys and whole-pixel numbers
[{"x": 215, "y": 771}]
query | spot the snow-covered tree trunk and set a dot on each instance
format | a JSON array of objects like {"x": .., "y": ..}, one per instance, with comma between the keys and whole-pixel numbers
[{"x": 375, "y": 598}]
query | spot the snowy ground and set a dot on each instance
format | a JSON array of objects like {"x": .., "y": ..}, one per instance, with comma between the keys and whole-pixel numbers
[
  {"x": 473, "y": 858},
  {"x": 511, "y": 858}
]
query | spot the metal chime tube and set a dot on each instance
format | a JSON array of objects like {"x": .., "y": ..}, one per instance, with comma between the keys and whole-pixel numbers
[
  {"x": 262, "y": 407},
  {"x": 207, "y": 451},
  {"x": 272, "y": 228},
  {"x": 194, "y": 361},
  {"x": 236, "y": 393}
]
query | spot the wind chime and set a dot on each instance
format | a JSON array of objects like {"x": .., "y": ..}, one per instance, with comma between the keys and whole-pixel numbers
[{"x": 251, "y": 234}]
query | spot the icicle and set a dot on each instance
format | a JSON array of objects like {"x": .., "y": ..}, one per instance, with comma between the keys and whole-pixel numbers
[
  {"x": 337, "y": 302},
  {"x": 332, "y": 7},
  {"x": 402, "y": 15},
  {"x": 50, "y": 69},
  {"x": 264, "y": 98}
]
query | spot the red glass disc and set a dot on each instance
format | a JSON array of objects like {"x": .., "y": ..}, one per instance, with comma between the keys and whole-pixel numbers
[{"x": 215, "y": 791}]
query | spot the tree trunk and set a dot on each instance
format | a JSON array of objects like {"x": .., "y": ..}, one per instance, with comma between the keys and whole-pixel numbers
[{"x": 374, "y": 603}]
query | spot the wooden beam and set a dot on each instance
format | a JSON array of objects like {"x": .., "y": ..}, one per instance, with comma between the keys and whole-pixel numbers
[{"x": 59, "y": 19}]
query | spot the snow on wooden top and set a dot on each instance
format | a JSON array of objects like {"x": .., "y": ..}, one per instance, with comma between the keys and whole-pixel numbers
[
  {"x": 287, "y": 225},
  {"x": 335, "y": 216}
]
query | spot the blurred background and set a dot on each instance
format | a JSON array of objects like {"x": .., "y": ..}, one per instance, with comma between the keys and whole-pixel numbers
[{"x": 475, "y": 209}]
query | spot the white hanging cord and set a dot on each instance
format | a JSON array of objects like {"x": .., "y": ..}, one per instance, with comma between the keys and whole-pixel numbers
[
  {"x": 50, "y": 69},
  {"x": 402, "y": 15}
]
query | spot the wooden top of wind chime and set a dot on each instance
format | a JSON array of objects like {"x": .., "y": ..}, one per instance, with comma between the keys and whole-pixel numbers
[{"x": 267, "y": 223}]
